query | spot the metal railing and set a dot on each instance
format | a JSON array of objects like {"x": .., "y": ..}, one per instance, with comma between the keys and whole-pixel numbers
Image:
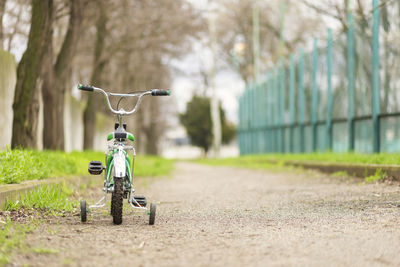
[{"x": 343, "y": 96}]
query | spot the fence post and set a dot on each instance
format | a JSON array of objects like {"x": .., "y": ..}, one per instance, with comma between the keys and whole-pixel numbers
[
  {"x": 250, "y": 121},
  {"x": 301, "y": 99},
  {"x": 276, "y": 100},
  {"x": 270, "y": 112},
  {"x": 256, "y": 118},
  {"x": 252, "y": 117},
  {"x": 329, "y": 128},
  {"x": 244, "y": 124},
  {"x": 260, "y": 115},
  {"x": 254, "y": 128},
  {"x": 375, "y": 76},
  {"x": 265, "y": 118},
  {"x": 282, "y": 95},
  {"x": 292, "y": 81},
  {"x": 247, "y": 120},
  {"x": 248, "y": 132},
  {"x": 314, "y": 96},
  {"x": 239, "y": 125},
  {"x": 256, "y": 115},
  {"x": 350, "y": 79}
]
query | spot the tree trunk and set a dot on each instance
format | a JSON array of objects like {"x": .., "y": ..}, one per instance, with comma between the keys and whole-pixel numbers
[
  {"x": 54, "y": 85},
  {"x": 152, "y": 131},
  {"x": 141, "y": 139},
  {"x": 2, "y": 10},
  {"x": 26, "y": 105},
  {"x": 89, "y": 115},
  {"x": 215, "y": 116},
  {"x": 386, "y": 87}
]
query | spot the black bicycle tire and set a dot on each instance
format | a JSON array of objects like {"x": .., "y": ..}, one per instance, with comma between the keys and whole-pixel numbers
[
  {"x": 83, "y": 211},
  {"x": 117, "y": 202},
  {"x": 152, "y": 216}
]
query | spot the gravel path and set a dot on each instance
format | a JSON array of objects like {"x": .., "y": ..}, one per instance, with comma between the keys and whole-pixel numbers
[{"x": 222, "y": 216}]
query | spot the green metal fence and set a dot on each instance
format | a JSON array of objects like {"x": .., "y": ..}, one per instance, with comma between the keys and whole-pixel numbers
[{"x": 344, "y": 95}]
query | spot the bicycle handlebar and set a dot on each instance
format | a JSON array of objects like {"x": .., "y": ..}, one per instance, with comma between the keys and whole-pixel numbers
[
  {"x": 159, "y": 92},
  {"x": 85, "y": 87},
  {"x": 153, "y": 92}
]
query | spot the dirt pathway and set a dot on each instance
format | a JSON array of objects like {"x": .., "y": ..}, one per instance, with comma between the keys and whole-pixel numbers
[{"x": 221, "y": 216}]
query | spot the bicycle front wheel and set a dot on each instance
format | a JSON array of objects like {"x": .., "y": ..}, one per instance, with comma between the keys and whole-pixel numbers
[{"x": 117, "y": 200}]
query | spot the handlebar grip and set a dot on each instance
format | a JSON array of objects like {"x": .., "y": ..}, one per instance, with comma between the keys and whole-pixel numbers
[
  {"x": 85, "y": 87},
  {"x": 160, "y": 92}
]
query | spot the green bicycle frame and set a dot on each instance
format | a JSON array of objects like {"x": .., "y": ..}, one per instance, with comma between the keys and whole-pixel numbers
[{"x": 110, "y": 164}]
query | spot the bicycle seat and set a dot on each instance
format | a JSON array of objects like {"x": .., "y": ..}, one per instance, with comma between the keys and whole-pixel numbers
[{"x": 120, "y": 136}]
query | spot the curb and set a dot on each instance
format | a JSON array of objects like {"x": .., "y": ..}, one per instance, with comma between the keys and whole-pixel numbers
[
  {"x": 13, "y": 192},
  {"x": 356, "y": 170}
]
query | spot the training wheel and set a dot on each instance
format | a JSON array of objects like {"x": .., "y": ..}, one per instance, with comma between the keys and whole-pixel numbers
[
  {"x": 152, "y": 213},
  {"x": 83, "y": 211}
]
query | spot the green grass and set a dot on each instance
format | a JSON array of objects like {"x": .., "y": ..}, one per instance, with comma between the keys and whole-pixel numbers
[
  {"x": 52, "y": 198},
  {"x": 378, "y": 176},
  {"x": 152, "y": 166},
  {"x": 264, "y": 161},
  {"x": 21, "y": 165},
  {"x": 12, "y": 236}
]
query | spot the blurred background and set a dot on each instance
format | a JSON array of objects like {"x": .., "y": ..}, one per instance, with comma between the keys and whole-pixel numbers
[{"x": 246, "y": 76}]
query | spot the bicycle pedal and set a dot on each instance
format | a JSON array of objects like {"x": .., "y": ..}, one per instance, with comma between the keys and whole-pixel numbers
[
  {"x": 95, "y": 167},
  {"x": 141, "y": 200}
]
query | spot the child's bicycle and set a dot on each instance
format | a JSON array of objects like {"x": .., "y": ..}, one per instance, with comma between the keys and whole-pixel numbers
[{"x": 119, "y": 167}]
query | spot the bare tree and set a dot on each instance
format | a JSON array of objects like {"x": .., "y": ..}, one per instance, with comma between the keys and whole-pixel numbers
[
  {"x": 25, "y": 104},
  {"x": 331, "y": 8},
  {"x": 235, "y": 26},
  {"x": 99, "y": 63},
  {"x": 56, "y": 79},
  {"x": 142, "y": 37},
  {"x": 18, "y": 25}
]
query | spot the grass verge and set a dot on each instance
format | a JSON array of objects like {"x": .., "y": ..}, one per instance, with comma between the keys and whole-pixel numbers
[
  {"x": 277, "y": 161},
  {"x": 51, "y": 198},
  {"x": 379, "y": 175},
  {"x": 258, "y": 161},
  {"x": 20, "y": 165},
  {"x": 152, "y": 166}
]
